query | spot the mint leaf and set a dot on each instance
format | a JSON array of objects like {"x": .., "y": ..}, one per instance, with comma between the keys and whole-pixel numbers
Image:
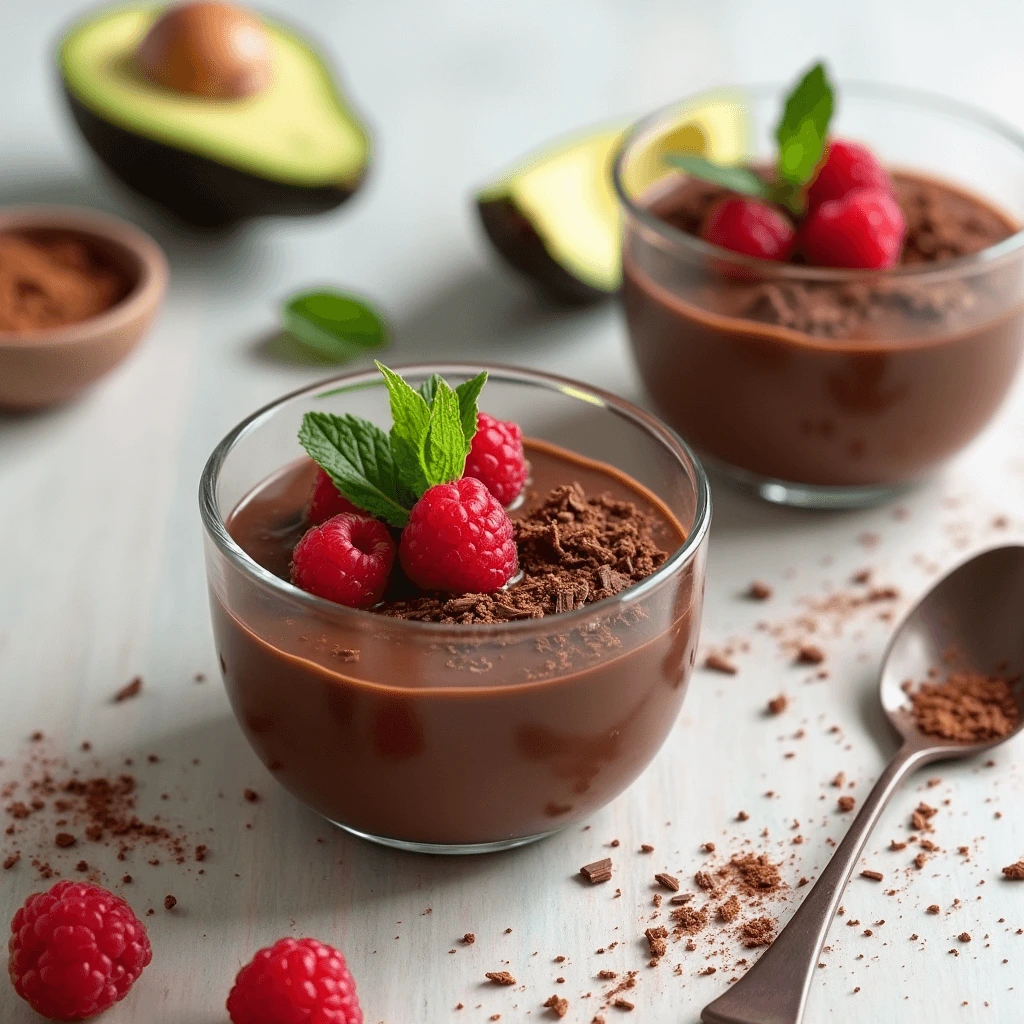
[
  {"x": 337, "y": 326},
  {"x": 356, "y": 455},
  {"x": 736, "y": 179},
  {"x": 411, "y": 424},
  {"x": 467, "y": 393},
  {"x": 429, "y": 386},
  {"x": 447, "y": 446},
  {"x": 802, "y": 131}
]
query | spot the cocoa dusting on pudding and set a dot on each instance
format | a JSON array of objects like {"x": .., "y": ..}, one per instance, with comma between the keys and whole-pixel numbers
[
  {"x": 968, "y": 707},
  {"x": 574, "y": 549}
]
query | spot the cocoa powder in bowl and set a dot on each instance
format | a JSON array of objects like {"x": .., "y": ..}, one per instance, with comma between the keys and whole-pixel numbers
[{"x": 54, "y": 277}]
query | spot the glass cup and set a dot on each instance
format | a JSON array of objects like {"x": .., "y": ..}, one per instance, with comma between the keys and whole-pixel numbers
[
  {"x": 457, "y": 739},
  {"x": 814, "y": 412}
]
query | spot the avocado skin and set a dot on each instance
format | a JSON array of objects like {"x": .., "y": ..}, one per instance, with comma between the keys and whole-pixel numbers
[
  {"x": 522, "y": 247},
  {"x": 201, "y": 192}
]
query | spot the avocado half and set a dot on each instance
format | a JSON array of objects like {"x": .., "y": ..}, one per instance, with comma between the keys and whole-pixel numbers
[
  {"x": 294, "y": 148},
  {"x": 555, "y": 218}
]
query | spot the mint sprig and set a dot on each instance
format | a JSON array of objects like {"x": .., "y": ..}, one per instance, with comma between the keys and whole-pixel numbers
[
  {"x": 385, "y": 474},
  {"x": 801, "y": 133}
]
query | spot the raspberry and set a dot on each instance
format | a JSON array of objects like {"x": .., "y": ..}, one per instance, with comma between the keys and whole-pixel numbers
[
  {"x": 348, "y": 560},
  {"x": 75, "y": 951},
  {"x": 749, "y": 227},
  {"x": 847, "y": 166},
  {"x": 459, "y": 538},
  {"x": 497, "y": 458},
  {"x": 864, "y": 229},
  {"x": 327, "y": 501},
  {"x": 295, "y": 981}
]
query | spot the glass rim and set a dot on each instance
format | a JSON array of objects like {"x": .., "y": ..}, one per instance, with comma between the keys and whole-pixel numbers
[
  {"x": 216, "y": 529},
  {"x": 920, "y": 98}
]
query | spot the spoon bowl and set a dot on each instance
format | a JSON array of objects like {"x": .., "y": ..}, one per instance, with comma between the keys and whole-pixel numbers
[{"x": 972, "y": 620}]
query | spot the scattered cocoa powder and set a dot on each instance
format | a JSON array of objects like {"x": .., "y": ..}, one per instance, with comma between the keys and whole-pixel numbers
[{"x": 730, "y": 909}]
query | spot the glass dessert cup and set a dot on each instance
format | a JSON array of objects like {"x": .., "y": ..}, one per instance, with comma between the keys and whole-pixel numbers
[
  {"x": 458, "y": 738},
  {"x": 801, "y": 417}
]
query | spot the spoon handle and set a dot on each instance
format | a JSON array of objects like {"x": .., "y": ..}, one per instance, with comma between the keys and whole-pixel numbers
[{"x": 774, "y": 990}]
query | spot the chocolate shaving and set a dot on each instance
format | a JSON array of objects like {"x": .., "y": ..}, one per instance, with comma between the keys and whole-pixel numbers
[
  {"x": 667, "y": 880},
  {"x": 132, "y": 689},
  {"x": 598, "y": 871}
]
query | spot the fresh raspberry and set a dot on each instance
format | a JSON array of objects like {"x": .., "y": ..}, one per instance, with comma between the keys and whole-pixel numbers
[
  {"x": 348, "y": 560},
  {"x": 295, "y": 981},
  {"x": 864, "y": 229},
  {"x": 496, "y": 457},
  {"x": 749, "y": 227},
  {"x": 75, "y": 951},
  {"x": 847, "y": 166},
  {"x": 459, "y": 538},
  {"x": 327, "y": 501}
]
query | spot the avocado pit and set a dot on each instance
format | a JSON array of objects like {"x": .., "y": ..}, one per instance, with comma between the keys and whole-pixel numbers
[{"x": 209, "y": 49}]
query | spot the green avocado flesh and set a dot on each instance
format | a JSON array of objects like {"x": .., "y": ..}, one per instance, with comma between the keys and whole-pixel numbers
[{"x": 297, "y": 131}]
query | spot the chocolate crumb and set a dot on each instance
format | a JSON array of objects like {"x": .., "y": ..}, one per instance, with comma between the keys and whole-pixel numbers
[
  {"x": 964, "y": 936},
  {"x": 251, "y": 795},
  {"x": 127, "y": 879},
  {"x": 896, "y": 845},
  {"x": 669, "y": 881},
  {"x": 646, "y": 848},
  {"x": 742, "y": 816},
  {"x": 707, "y": 972},
  {"x": 597, "y": 871},
  {"x": 656, "y": 940},
  {"x": 934, "y": 909},
  {"x": 622, "y": 1004},
  {"x": 778, "y": 704},
  {"x": 759, "y": 591},
  {"x": 170, "y": 902},
  {"x": 874, "y": 876},
  {"x": 810, "y": 654},
  {"x": 500, "y": 977},
  {"x": 920, "y": 860},
  {"x": 1015, "y": 872},
  {"x": 846, "y": 803},
  {"x": 717, "y": 662},
  {"x": 64, "y": 840},
  {"x": 557, "y": 1005},
  {"x": 606, "y": 975},
  {"x": 839, "y": 780},
  {"x": 469, "y": 938},
  {"x": 129, "y": 690},
  {"x": 82, "y": 866},
  {"x": 10, "y": 860}
]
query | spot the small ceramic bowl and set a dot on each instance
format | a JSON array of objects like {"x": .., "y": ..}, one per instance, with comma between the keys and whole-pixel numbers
[{"x": 47, "y": 366}]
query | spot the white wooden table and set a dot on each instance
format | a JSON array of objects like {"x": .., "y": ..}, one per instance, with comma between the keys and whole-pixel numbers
[{"x": 101, "y": 573}]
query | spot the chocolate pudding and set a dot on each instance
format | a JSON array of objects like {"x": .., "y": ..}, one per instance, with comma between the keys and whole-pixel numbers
[
  {"x": 823, "y": 377},
  {"x": 473, "y": 719}
]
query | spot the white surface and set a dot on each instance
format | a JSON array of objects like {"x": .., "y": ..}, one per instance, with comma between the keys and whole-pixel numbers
[{"x": 101, "y": 573}]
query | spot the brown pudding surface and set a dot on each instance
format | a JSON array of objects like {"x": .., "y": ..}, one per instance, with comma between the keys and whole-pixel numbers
[
  {"x": 871, "y": 380},
  {"x": 500, "y": 718}
]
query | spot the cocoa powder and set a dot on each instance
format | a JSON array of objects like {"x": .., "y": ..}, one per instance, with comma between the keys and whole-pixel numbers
[
  {"x": 967, "y": 707},
  {"x": 54, "y": 278}
]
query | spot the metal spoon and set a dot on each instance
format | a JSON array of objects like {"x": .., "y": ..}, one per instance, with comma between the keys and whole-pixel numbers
[{"x": 978, "y": 611}]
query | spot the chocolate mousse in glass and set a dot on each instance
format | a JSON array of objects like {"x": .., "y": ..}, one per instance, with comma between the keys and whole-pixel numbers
[
  {"x": 455, "y": 724},
  {"x": 825, "y": 387}
]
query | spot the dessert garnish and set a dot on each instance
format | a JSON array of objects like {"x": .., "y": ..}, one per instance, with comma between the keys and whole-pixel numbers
[
  {"x": 295, "y": 980},
  {"x": 76, "y": 950},
  {"x": 335, "y": 326},
  {"x": 839, "y": 195},
  {"x": 441, "y": 475}
]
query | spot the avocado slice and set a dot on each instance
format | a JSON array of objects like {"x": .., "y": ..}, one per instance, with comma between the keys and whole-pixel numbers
[
  {"x": 555, "y": 218},
  {"x": 294, "y": 148}
]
